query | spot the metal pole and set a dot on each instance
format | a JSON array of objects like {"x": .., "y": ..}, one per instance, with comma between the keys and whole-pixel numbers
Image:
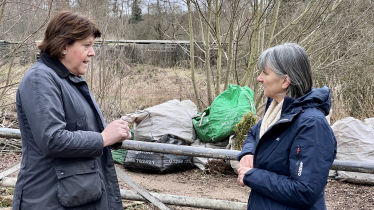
[
  {"x": 352, "y": 166},
  {"x": 144, "y": 193},
  {"x": 188, "y": 201},
  {"x": 10, "y": 170},
  {"x": 165, "y": 198},
  {"x": 180, "y": 149},
  {"x": 10, "y": 133}
]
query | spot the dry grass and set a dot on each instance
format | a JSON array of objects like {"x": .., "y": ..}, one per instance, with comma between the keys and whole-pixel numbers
[
  {"x": 7, "y": 102},
  {"x": 139, "y": 86},
  {"x": 143, "y": 86},
  {"x": 357, "y": 103},
  {"x": 133, "y": 88}
]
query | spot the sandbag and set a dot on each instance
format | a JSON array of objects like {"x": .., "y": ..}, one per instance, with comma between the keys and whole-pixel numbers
[
  {"x": 172, "y": 117},
  {"x": 153, "y": 162},
  {"x": 355, "y": 142},
  {"x": 216, "y": 123}
]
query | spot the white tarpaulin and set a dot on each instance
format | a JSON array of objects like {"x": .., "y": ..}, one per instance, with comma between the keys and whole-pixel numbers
[
  {"x": 355, "y": 141},
  {"x": 172, "y": 117}
]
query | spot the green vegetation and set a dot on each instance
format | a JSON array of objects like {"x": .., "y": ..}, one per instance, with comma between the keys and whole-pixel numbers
[{"x": 241, "y": 129}]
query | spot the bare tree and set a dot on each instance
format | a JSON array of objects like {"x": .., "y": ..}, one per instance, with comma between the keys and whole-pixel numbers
[
  {"x": 192, "y": 57},
  {"x": 226, "y": 38},
  {"x": 26, "y": 38}
]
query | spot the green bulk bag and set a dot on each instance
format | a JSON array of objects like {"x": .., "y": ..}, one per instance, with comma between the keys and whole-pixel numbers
[
  {"x": 119, "y": 156},
  {"x": 216, "y": 123}
]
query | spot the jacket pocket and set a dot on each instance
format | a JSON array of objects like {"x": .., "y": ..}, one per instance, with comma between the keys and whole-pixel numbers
[{"x": 78, "y": 183}]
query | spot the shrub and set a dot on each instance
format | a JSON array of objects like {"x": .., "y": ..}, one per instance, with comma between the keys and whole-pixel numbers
[{"x": 241, "y": 129}]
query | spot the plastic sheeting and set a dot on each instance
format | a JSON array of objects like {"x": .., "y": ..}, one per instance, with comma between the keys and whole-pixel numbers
[
  {"x": 355, "y": 140},
  {"x": 172, "y": 117},
  {"x": 200, "y": 162}
]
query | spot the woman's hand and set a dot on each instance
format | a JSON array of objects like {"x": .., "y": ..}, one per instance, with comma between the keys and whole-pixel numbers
[
  {"x": 246, "y": 161},
  {"x": 241, "y": 173},
  {"x": 245, "y": 164},
  {"x": 116, "y": 131}
]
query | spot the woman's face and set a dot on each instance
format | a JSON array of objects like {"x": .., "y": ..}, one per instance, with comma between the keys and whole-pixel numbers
[
  {"x": 78, "y": 55},
  {"x": 274, "y": 87}
]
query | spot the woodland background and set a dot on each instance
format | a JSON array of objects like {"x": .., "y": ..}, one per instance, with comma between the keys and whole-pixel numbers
[
  {"x": 228, "y": 36},
  {"x": 145, "y": 57}
]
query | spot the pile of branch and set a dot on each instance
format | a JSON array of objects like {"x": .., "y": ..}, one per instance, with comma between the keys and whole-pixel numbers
[{"x": 10, "y": 146}]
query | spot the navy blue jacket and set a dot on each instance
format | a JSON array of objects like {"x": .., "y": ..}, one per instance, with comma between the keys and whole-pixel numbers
[
  {"x": 293, "y": 158},
  {"x": 64, "y": 164}
]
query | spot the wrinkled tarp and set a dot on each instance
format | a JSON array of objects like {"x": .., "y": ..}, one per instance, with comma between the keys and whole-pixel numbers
[
  {"x": 172, "y": 117},
  {"x": 355, "y": 141}
]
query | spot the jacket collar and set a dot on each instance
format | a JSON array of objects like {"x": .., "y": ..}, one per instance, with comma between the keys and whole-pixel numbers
[
  {"x": 319, "y": 98},
  {"x": 288, "y": 112},
  {"x": 59, "y": 68},
  {"x": 286, "y": 103}
]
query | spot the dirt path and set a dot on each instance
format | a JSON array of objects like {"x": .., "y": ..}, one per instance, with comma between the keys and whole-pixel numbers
[
  {"x": 196, "y": 183},
  {"x": 192, "y": 183}
]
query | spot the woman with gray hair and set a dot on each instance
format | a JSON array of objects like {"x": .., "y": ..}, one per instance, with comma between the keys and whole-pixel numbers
[{"x": 287, "y": 155}]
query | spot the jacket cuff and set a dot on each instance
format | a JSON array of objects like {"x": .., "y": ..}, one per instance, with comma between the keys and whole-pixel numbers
[
  {"x": 248, "y": 174},
  {"x": 116, "y": 146},
  {"x": 241, "y": 155}
]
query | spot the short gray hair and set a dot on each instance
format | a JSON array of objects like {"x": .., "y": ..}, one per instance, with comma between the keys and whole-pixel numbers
[{"x": 290, "y": 59}]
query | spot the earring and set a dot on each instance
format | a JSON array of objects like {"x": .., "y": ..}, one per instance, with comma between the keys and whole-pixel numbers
[{"x": 64, "y": 52}]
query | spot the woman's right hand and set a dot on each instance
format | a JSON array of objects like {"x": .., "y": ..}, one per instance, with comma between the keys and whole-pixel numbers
[
  {"x": 246, "y": 161},
  {"x": 116, "y": 131},
  {"x": 245, "y": 164}
]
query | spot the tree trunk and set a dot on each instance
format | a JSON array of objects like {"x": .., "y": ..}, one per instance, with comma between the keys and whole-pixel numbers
[
  {"x": 101, "y": 71},
  {"x": 192, "y": 58},
  {"x": 219, "y": 56},
  {"x": 231, "y": 44},
  {"x": 207, "y": 54},
  {"x": 254, "y": 41},
  {"x": 273, "y": 23},
  {"x": 2, "y": 11}
]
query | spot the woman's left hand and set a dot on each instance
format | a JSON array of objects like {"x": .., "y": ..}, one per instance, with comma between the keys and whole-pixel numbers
[{"x": 241, "y": 172}]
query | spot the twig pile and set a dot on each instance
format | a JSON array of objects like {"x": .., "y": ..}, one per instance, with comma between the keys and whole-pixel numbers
[{"x": 10, "y": 146}]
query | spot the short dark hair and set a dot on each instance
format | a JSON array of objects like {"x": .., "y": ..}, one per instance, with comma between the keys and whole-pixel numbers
[
  {"x": 290, "y": 59},
  {"x": 64, "y": 29}
]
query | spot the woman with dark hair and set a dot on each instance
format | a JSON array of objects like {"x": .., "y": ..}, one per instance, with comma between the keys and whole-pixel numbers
[
  {"x": 66, "y": 161},
  {"x": 287, "y": 155}
]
